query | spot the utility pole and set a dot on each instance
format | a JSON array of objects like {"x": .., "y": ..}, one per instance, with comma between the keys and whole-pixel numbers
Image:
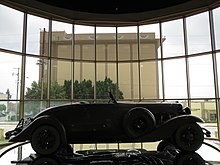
[{"x": 17, "y": 86}]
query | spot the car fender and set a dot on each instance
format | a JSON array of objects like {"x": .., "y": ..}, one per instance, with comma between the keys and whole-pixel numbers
[
  {"x": 26, "y": 133},
  {"x": 168, "y": 128}
]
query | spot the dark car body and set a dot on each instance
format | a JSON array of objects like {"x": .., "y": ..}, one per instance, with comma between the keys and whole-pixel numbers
[{"x": 108, "y": 123}]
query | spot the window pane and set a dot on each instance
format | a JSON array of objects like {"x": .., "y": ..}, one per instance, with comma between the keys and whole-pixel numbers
[
  {"x": 175, "y": 79},
  {"x": 216, "y": 15},
  {"x": 9, "y": 112},
  {"x": 149, "y": 41},
  {"x": 173, "y": 44},
  {"x": 125, "y": 81},
  {"x": 37, "y": 35},
  {"x": 84, "y": 43},
  {"x": 4, "y": 107},
  {"x": 31, "y": 108},
  {"x": 10, "y": 71},
  {"x": 201, "y": 77},
  {"x": 127, "y": 51},
  {"x": 60, "y": 79},
  {"x": 198, "y": 33},
  {"x": 11, "y": 29},
  {"x": 36, "y": 79},
  {"x": 105, "y": 44},
  {"x": 149, "y": 80},
  {"x": 206, "y": 109},
  {"x": 127, "y": 43},
  {"x": 61, "y": 40},
  {"x": 83, "y": 87}
]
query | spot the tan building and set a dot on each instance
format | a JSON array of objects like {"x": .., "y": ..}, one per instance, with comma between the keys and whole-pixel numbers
[{"x": 121, "y": 60}]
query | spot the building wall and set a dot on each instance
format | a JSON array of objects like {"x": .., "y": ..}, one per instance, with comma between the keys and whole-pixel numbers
[{"x": 122, "y": 63}]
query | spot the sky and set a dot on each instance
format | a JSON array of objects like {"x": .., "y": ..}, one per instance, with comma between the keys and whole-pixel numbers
[{"x": 11, "y": 38}]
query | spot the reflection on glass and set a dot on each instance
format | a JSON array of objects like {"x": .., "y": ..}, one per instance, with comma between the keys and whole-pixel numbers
[
  {"x": 11, "y": 28},
  {"x": 198, "y": 33},
  {"x": 173, "y": 44},
  {"x": 206, "y": 154}
]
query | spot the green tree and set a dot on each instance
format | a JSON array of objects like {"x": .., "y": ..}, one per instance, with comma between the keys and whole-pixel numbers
[
  {"x": 103, "y": 87},
  {"x": 57, "y": 91},
  {"x": 2, "y": 107},
  {"x": 83, "y": 89},
  {"x": 34, "y": 92},
  {"x": 67, "y": 88}
]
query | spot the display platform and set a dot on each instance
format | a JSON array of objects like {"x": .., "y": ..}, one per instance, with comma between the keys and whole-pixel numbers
[{"x": 23, "y": 154}]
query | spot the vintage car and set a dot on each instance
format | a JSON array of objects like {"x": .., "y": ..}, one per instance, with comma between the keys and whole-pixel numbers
[{"x": 113, "y": 122}]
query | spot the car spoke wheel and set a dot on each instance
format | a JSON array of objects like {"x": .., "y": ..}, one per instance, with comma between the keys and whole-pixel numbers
[
  {"x": 189, "y": 137},
  {"x": 45, "y": 140},
  {"x": 138, "y": 122}
]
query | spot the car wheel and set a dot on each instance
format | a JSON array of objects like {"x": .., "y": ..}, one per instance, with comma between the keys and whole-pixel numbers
[
  {"x": 165, "y": 145},
  {"x": 189, "y": 137},
  {"x": 45, "y": 140},
  {"x": 190, "y": 158},
  {"x": 45, "y": 161},
  {"x": 138, "y": 121}
]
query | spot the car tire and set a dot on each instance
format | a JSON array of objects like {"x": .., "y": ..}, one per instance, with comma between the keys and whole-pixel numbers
[
  {"x": 165, "y": 145},
  {"x": 138, "y": 121},
  {"x": 46, "y": 160},
  {"x": 45, "y": 140},
  {"x": 189, "y": 158},
  {"x": 189, "y": 137}
]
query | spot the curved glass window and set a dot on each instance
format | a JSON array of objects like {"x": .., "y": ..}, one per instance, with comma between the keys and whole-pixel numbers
[
  {"x": 198, "y": 33},
  {"x": 11, "y": 29},
  {"x": 44, "y": 63}
]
